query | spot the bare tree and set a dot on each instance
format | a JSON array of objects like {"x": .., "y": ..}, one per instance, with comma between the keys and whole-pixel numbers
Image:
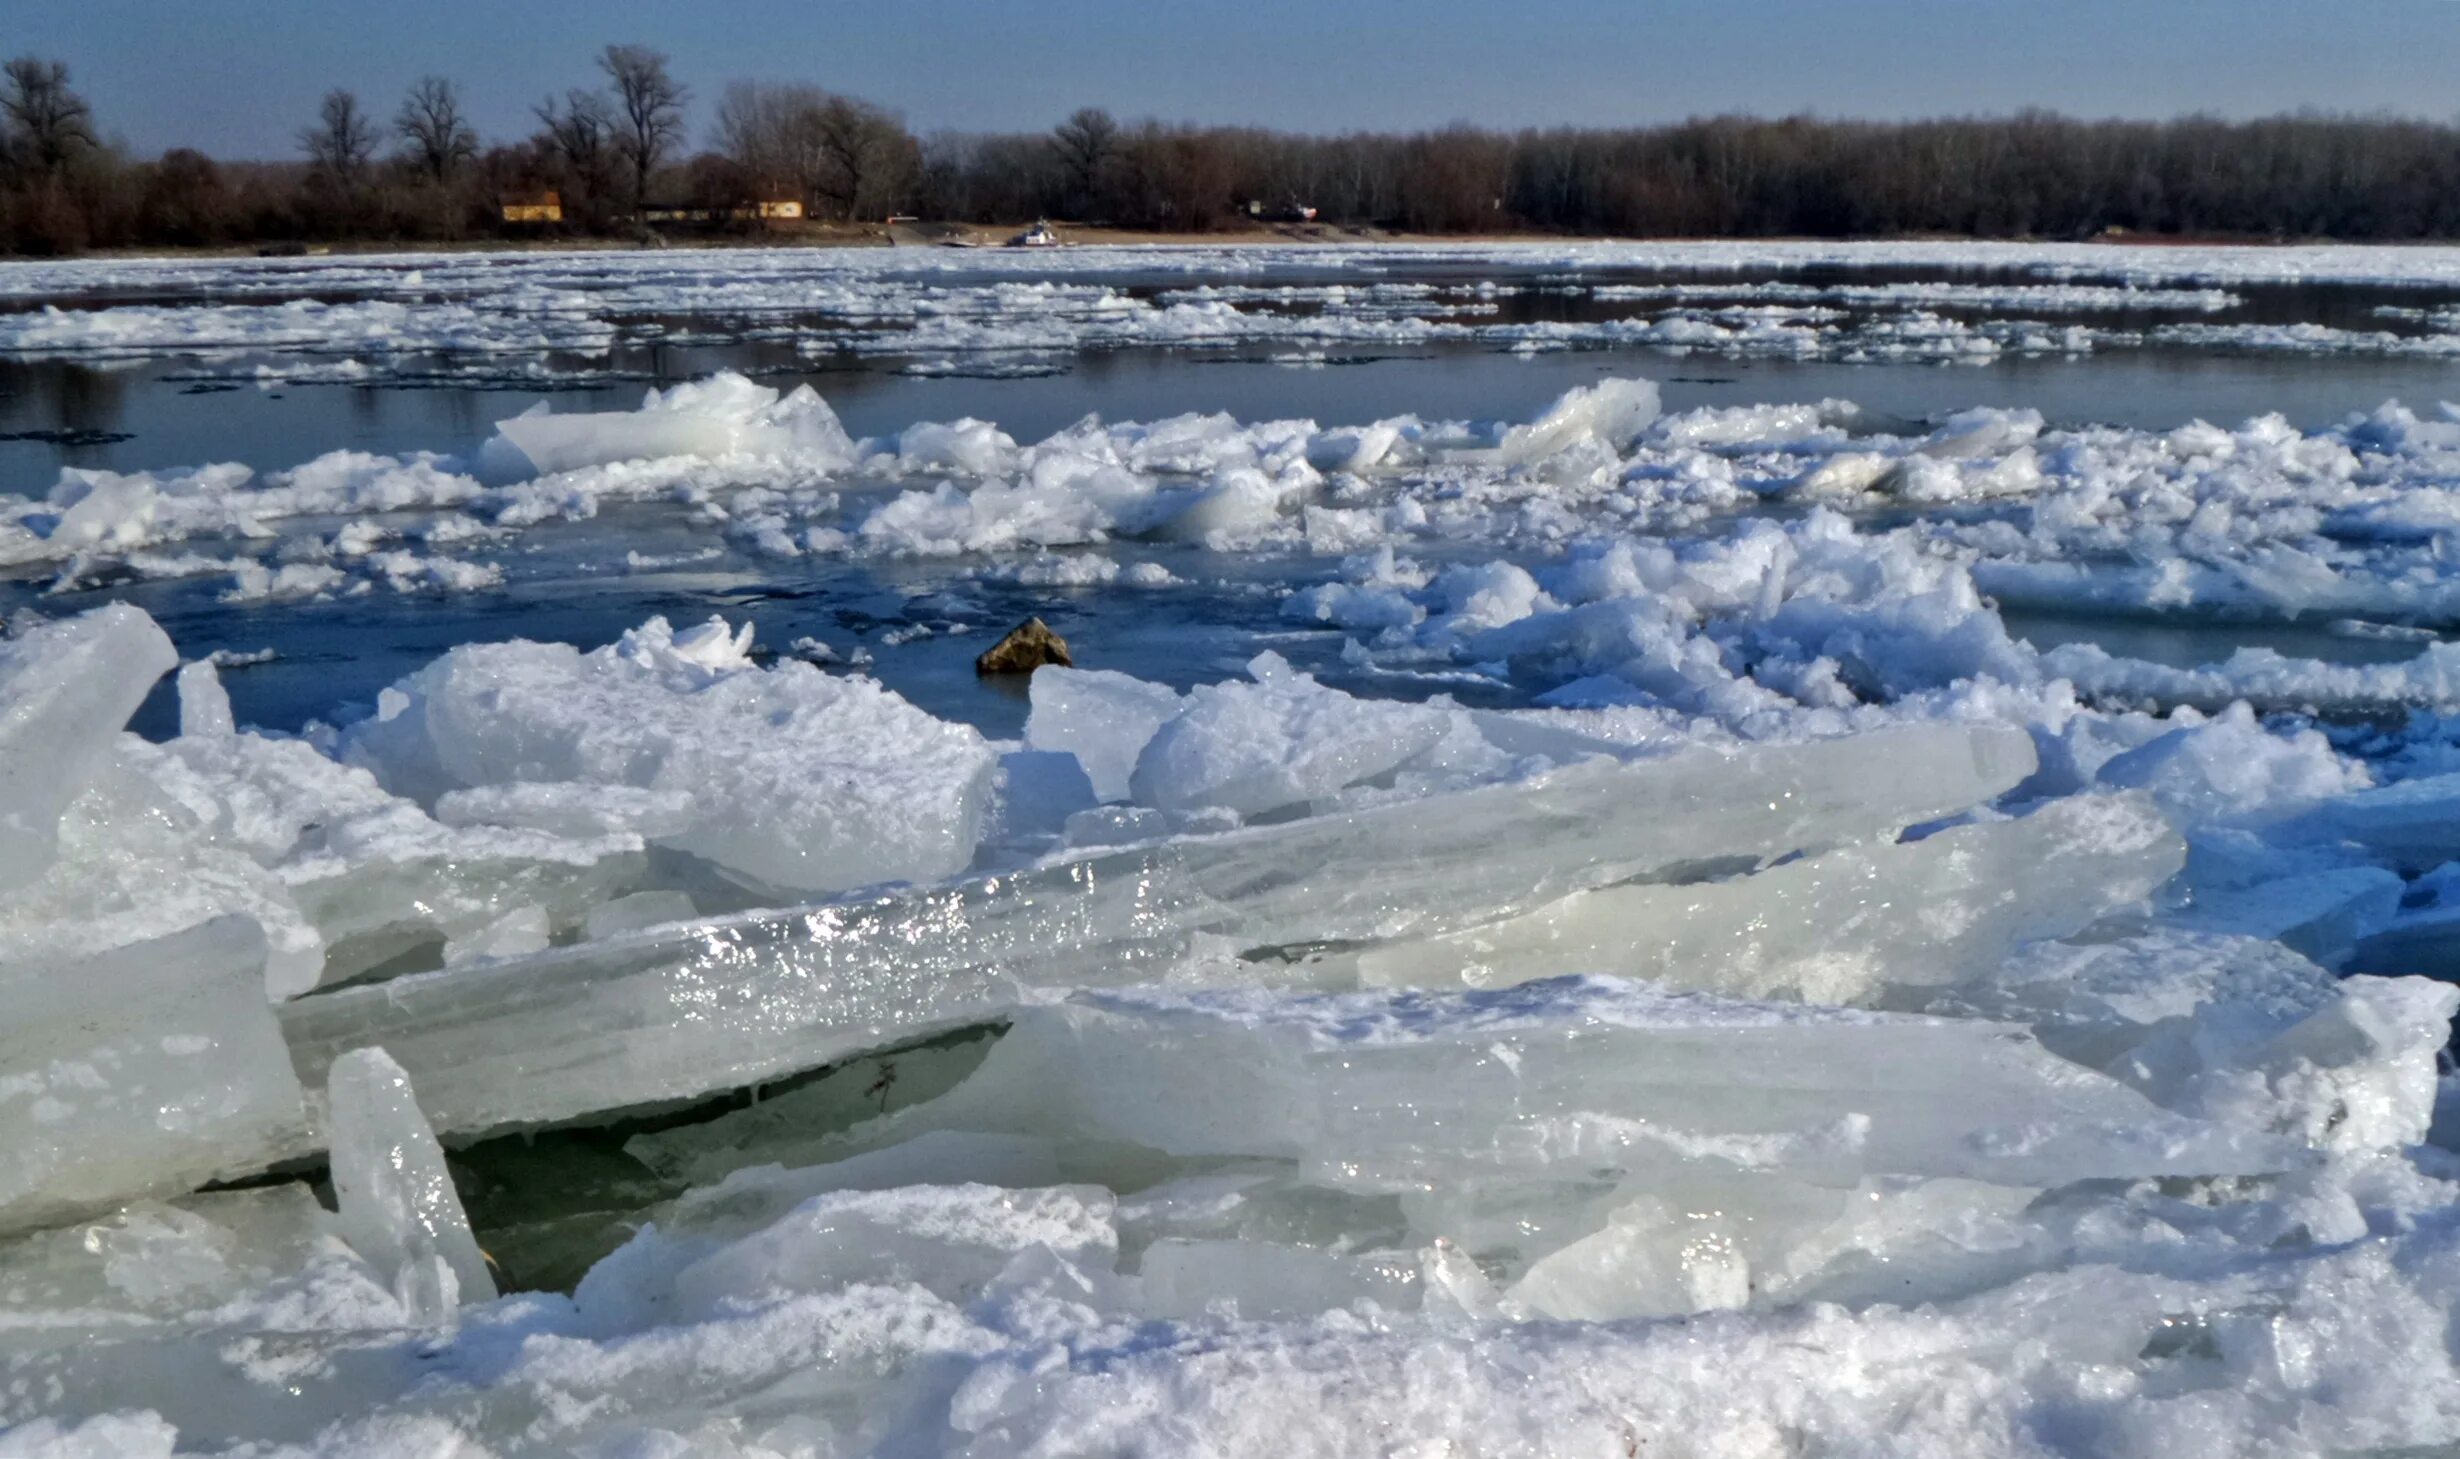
[
  {"x": 839, "y": 154},
  {"x": 770, "y": 132},
  {"x": 48, "y": 124},
  {"x": 436, "y": 137},
  {"x": 1085, "y": 143},
  {"x": 580, "y": 130},
  {"x": 342, "y": 142},
  {"x": 869, "y": 153},
  {"x": 648, "y": 111}
]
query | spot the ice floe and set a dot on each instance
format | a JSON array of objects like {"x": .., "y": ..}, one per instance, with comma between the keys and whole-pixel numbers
[{"x": 1783, "y": 1004}]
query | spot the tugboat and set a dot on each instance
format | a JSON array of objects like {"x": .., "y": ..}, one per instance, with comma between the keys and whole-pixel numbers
[{"x": 1040, "y": 235}]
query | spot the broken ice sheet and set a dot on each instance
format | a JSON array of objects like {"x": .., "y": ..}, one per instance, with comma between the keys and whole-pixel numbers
[
  {"x": 146, "y": 1070},
  {"x": 791, "y": 779},
  {"x": 1411, "y": 1091},
  {"x": 65, "y": 690},
  {"x": 1604, "y": 1150},
  {"x": 208, "y": 1308},
  {"x": 1831, "y": 928},
  {"x": 2233, "y": 1028},
  {"x": 663, "y": 1015},
  {"x": 133, "y": 861},
  {"x": 269, "y": 1256}
]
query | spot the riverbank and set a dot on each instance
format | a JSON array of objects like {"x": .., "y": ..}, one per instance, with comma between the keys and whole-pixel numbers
[{"x": 989, "y": 235}]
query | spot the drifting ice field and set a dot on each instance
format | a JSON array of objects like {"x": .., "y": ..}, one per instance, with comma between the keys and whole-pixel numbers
[{"x": 1647, "y": 926}]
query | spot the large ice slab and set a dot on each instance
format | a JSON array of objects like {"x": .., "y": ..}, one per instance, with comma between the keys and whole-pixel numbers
[
  {"x": 658, "y": 1016},
  {"x": 144, "y": 1071},
  {"x": 1831, "y": 928},
  {"x": 65, "y": 691},
  {"x": 1565, "y": 1078}
]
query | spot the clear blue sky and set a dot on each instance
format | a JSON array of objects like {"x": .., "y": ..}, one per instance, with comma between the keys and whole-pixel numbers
[{"x": 238, "y": 77}]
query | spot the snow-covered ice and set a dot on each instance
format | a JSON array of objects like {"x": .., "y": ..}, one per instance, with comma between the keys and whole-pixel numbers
[{"x": 1648, "y": 945}]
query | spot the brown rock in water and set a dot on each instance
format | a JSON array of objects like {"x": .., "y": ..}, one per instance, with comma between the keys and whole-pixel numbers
[{"x": 1028, "y": 646}]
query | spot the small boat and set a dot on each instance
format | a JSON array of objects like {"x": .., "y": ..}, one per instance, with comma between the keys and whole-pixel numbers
[{"x": 1040, "y": 235}]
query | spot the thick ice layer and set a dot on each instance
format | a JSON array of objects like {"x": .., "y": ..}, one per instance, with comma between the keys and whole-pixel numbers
[
  {"x": 1833, "y": 928},
  {"x": 574, "y": 1031},
  {"x": 2171, "y": 1155},
  {"x": 1560, "y": 1079},
  {"x": 144, "y": 1071},
  {"x": 397, "y": 1203},
  {"x": 65, "y": 691},
  {"x": 788, "y": 777}
]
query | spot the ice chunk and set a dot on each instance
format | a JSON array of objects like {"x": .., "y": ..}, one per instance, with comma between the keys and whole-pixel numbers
[
  {"x": 144, "y": 1071},
  {"x": 223, "y": 1257},
  {"x": 65, "y": 690},
  {"x": 204, "y": 706},
  {"x": 133, "y": 862},
  {"x": 1101, "y": 717},
  {"x": 965, "y": 447},
  {"x": 2231, "y": 767},
  {"x": 724, "y": 415},
  {"x": 1569, "y": 1079},
  {"x": 518, "y": 933},
  {"x": 1238, "y": 505},
  {"x": 787, "y": 777},
  {"x": 2426, "y": 941},
  {"x": 637, "y": 911},
  {"x": 652, "y": 1017},
  {"x": 2357, "y": 1074},
  {"x": 1280, "y": 741},
  {"x": 1039, "y": 791},
  {"x": 750, "y": 1197},
  {"x": 1832, "y": 928},
  {"x": 372, "y": 875},
  {"x": 1613, "y": 412},
  {"x": 139, "y": 1434},
  {"x": 398, "y": 1206}
]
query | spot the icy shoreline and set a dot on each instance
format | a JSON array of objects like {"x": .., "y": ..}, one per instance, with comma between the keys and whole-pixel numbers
[
  {"x": 958, "y": 311},
  {"x": 1811, "y": 1018}
]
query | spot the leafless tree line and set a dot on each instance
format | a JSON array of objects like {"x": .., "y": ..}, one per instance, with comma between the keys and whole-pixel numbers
[
  {"x": 2030, "y": 175},
  {"x": 622, "y": 149}
]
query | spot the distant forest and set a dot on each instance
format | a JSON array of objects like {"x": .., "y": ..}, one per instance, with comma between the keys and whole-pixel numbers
[{"x": 624, "y": 152}]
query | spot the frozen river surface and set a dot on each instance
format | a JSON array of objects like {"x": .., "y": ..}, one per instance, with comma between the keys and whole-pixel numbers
[{"x": 1686, "y": 849}]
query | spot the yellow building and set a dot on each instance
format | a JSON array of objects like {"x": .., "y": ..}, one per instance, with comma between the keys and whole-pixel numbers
[
  {"x": 771, "y": 210},
  {"x": 546, "y": 207}
]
